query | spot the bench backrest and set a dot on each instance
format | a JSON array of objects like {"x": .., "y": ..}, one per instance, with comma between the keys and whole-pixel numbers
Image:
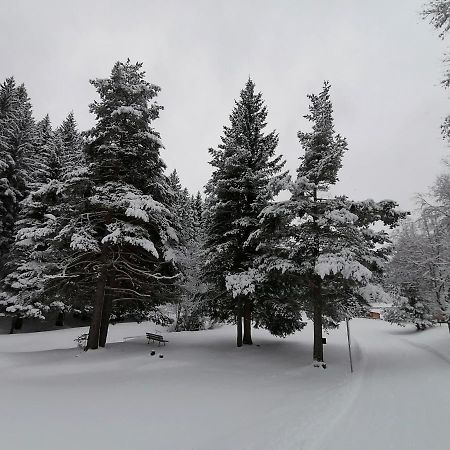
[{"x": 155, "y": 336}]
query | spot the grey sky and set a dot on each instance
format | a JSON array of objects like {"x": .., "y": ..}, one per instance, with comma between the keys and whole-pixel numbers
[{"x": 383, "y": 61}]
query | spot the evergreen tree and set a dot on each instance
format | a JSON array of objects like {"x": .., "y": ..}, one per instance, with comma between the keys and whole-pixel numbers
[
  {"x": 71, "y": 144},
  {"x": 31, "y": 256},
  {"x": 198, "y": 205},
  {"x": 323, "y": 246},
  {"x": 43, "y": 162},
  {"x": 189, "y": 308},
  {"x": 16, "y": 130},
  {"x": 239, "y": 189},
  {"x": 119, "y": 227}
]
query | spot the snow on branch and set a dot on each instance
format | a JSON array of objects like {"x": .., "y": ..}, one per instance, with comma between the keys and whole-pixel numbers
[
  {"x": 344, "y": 264},
  {"x": 243, "y": 283}
]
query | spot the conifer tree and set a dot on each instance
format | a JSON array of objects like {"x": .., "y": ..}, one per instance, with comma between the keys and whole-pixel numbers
[
  {"x": 324, "y": 246},
  {"x": 198, "y": 205},
  {"x": 239, "y": 189},
  {"x": 120, "y": 229},
  {"x": 189, "y": 308},
  {"x": 31, "y": 256},
  {"x": 71, "y": 144},
  {"x": 16, "y": 131}
]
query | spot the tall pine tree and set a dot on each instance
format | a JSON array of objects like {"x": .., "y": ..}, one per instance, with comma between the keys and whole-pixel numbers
[
  {"x": 119, "y": 228},
  {"x": 239, "y": 189},
  {"x": 16, "y": 138},
  {"x": 325, "y": 247}
]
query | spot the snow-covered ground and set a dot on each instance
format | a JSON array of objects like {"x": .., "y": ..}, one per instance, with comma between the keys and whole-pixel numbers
[{"x": 207, "y": 394}]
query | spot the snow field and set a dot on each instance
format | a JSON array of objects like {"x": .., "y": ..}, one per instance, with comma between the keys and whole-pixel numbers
[{"x": 207, "y": 394}]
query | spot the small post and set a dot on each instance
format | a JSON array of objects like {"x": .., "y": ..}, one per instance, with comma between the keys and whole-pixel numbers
[{"x": 349, "y": 344}]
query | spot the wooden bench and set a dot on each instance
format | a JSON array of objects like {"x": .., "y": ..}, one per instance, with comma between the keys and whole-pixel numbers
[{"x": 156, "y": 338}]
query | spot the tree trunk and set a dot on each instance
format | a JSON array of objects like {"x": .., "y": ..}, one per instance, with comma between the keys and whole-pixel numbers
[
  {"x": 18, "y": 323},
  {"x": 317, "y": 294},
  {"x": 13, "y": 325},
  {"x": 448, "y": 324},
  {"x": 60, "y": 319},
  {"x": 318, "y": 344},
  {"x": 247, "y": 323},
  {"x": 239, "y": 327},
  {"x": 94, "y": 330},
  {"x": 104, "y": 324},
  {"x": 178, "y": 316}
]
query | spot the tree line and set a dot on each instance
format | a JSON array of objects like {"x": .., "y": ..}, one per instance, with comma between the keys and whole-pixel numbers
[{"x": 91, "y": 223}]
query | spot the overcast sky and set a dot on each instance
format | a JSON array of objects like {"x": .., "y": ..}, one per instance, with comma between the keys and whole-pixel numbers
[{"x": 383, "y": 61}]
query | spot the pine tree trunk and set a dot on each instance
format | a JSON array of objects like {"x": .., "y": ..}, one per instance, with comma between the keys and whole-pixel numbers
[
  {"x": 178, "y": 316},
  {"x": 94, "y": 330},
  {"x": 239, "y": 327},
  {"x": 317, "y": 295},
  {"x": 247, "y": 323},
  {"x": 106, "y": 316},
  {"x": 60, "y": 319},
  {"x": 18, "y": 323},
  {"x": 318, "y": 344},
  {"x": 13, "y": 325}
]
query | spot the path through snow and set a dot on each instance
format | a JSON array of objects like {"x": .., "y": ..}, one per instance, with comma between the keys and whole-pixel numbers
[{"x": 206, "y": 394}]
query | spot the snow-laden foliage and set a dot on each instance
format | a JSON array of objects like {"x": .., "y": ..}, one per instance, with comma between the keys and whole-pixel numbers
[
  {"x": 407, "y": 310},
  {"x": 243, "y": 283},
  {"x": 118, "y": 231},
  {"x": 32, "y": 258},
  {"x": 344, "y": 264},
  {"x": 189, "y": 306},
  {"x": 246, "y": 177},
  {"x": 324, "y": 248},
  {"x": 16, "y": 138},
  {"x": 420, "y": 267}
]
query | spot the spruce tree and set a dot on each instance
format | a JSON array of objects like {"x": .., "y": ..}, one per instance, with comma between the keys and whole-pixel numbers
[
  {"x": 189, "y": 308},
  {"x": 119, "y": 228},
  {"x": 71, "y": 143},
  {"x": 31, "y": 257},
  {"x": 239, "y": 189},
  {"x": 325, "y": 247},
  {"x": 16, "y": 132}
]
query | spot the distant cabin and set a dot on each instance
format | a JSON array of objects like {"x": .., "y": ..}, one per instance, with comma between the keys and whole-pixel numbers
[{"x": 377, "y": 310}]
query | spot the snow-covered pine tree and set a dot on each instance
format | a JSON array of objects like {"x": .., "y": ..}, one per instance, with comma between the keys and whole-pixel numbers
[
  {"x": 16, "y": 134},
  {"x": 189, "y": 310},
  {"x": 71, "y": 143},
  {"x": 325, "y": 247},
  {"x": 198, "y": 213},
  {"x": 121, "y": 231},
  {"x": 43, "y": 162},
  {"x": 32, "y": 257},
  {"x": 239, "y": 189}
]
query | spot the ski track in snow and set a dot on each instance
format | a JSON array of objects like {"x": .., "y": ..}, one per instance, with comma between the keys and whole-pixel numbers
[
  {"x": 403, "y": 401},
  {"x": 205, "y": 394}
]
